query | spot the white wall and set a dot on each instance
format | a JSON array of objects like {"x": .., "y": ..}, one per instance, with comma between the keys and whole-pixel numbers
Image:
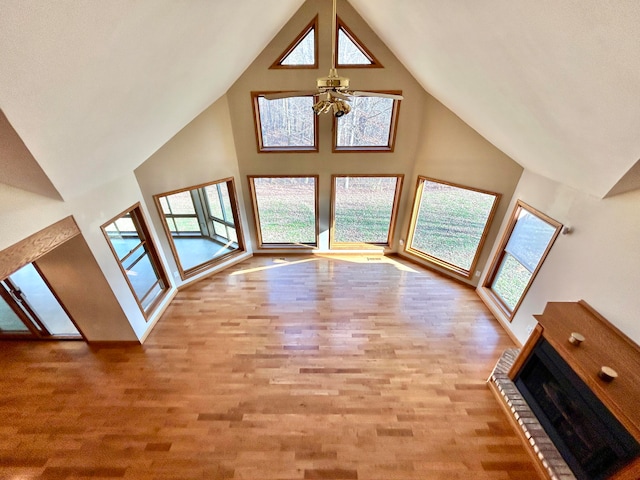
[
  {"x": 451, "y": 151},
  {"x": 599, "y": 262},
  {"x": 25, "y": 213},
  {"x": 201, "y": 152}
]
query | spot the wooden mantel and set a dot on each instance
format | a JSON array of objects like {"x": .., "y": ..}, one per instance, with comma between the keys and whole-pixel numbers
[{"x": 604, "y": 345}]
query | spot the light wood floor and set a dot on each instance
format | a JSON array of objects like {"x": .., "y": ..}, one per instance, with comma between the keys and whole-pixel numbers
[{"x": 307, "y": 368}]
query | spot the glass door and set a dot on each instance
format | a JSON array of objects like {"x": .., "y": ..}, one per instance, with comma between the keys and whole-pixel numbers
[{"x": 29, "y": 309}]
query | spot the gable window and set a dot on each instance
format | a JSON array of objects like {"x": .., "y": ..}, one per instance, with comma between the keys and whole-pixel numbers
[
  {"x": 449, "y": 224},
  {"x": 202, "y": 224},
  {"x": 130, "y": 242},
  {"x": 285, "y": 124},
  {"x": 351, "y": 51},
  {"x": 363, "y": 209},
  {"x": 303, "y": 51},
  {"x": 530, "y": 235},
  {"x": 371, "y": 125},
  {"x": 285, "y": 209}
]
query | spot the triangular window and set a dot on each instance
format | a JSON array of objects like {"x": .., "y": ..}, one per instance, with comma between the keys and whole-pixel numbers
[
  {"x": 351, "y": 52},
  {"x": 303, "y": 51}
]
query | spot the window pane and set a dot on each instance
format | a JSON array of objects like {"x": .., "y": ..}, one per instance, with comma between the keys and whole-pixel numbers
[
  {"x": 450, "y": 223},
  {"x": 123, "y": 225},
  {"x": 348, "y": 52},
  {"x": 186, "y": 225},
  {"x": 511, "y": 281},
  {"x": 9, "y": 320},
  {"x": 122, "y": 243},
  {"x": 529, "y": 239},
  {"x": 43, "y": 302},
  {"x": 233, "y": 236},
  {"x": 181, "y": 203},
  {"x": 140, "y": 272},
  {"x": 214, "y": 200},
  {"x": 220, "y": 229},
  {"x": 226, "y": 203},
  {"x": 141, "y": 266},
  {"x": 150, "y": 298},
  {"x": 363, "y": 209},
  {"x": 368, "y": 124},
  {"x": 286, "y": 209},
  {"x": 287, "y": 122},
  {"x": 520, "y": 255},
  {"x": 303, "y": 53},
  {"x": 201, "y": 240}
]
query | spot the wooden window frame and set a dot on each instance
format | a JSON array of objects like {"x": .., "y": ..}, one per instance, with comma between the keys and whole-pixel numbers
[
  {"x": 256, "y": 213},
  {"x": 233, "y": 199},
  {"x": 139, "y": 221},
  {"x": 414, "y": 220},
  {"x": 392, "y": 222},
  {"x": 313, "y": 24},
  {"x": 500, "y": 254},
  {"x": 362, "y": 47},
  {"x": 333, "y": 244},
  {"x": 258, "y": 129},
  {"x": 393, "y": 128}
]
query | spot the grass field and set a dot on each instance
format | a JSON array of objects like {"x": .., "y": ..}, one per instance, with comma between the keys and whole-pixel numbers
[{"x": 450, "y": 223}]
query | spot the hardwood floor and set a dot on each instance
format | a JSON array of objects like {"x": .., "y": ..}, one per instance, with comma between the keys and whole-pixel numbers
[{"x": 299, "y": 368}]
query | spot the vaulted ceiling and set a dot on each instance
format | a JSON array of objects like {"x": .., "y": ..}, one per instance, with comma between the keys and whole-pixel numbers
[{"x": 94, "y": 87}]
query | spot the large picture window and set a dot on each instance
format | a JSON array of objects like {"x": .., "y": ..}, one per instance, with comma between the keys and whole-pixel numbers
[
  {"x": 285, "y": 210},
  {"x": 131, "y": 244},
  {"x": 371, "y": 125},
  {"x": 449, "y": 224},
  {"x": 202, "y": 224},
  {"x": 364, "y": 209},
  {"x": 285, "y": 124},
  {"x": 530, "y": 235}
]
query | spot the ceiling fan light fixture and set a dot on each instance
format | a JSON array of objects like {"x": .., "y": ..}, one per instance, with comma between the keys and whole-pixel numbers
[{"x": 340, "y": 108}]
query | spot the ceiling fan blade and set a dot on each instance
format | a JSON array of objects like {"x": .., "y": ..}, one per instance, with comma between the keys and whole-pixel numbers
[
  {"x": 375, "y": 94},
  {"x": 339, "y": 95},
  {"x": 278, "y": 95}
]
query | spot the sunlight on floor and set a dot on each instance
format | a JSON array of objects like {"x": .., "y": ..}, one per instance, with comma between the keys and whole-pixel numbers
[
  {"x": 293, "y": 260},
  {"x": 278, "y": 262}
]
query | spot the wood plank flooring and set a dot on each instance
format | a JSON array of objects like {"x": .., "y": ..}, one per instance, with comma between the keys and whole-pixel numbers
[{"x": 293, "y": 368}]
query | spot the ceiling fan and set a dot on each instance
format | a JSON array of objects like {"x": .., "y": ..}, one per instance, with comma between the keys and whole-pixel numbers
[{"x": 333, "y": 90}]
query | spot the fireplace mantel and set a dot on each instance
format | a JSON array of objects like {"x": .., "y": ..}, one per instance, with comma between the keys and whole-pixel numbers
[{"x": 603, "y": 346}]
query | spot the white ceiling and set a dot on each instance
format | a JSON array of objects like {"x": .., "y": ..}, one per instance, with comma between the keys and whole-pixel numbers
[
  {"x": 94, "y": 87},
  {"x": 555, "y": 84}
]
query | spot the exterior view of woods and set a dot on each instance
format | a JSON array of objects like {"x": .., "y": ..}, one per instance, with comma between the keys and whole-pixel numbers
[
  {"x": 368, "y": 124},
  {"x": 304, "y": 52},
  {"x": 348, "y": 52},
  {"x": 287, "y": 122}
]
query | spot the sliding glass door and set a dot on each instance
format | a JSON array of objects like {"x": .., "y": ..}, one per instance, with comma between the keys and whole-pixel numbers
[{"x": 30, "y": 309}]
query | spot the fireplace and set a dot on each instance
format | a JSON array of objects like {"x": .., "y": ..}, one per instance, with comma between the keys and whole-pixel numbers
[
  {"x": 590, "y": 439},
  {"x": 572, "y": 393}
]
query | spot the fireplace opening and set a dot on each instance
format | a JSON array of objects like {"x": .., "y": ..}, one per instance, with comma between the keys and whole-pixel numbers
[{"x": 590, "y": 439}]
